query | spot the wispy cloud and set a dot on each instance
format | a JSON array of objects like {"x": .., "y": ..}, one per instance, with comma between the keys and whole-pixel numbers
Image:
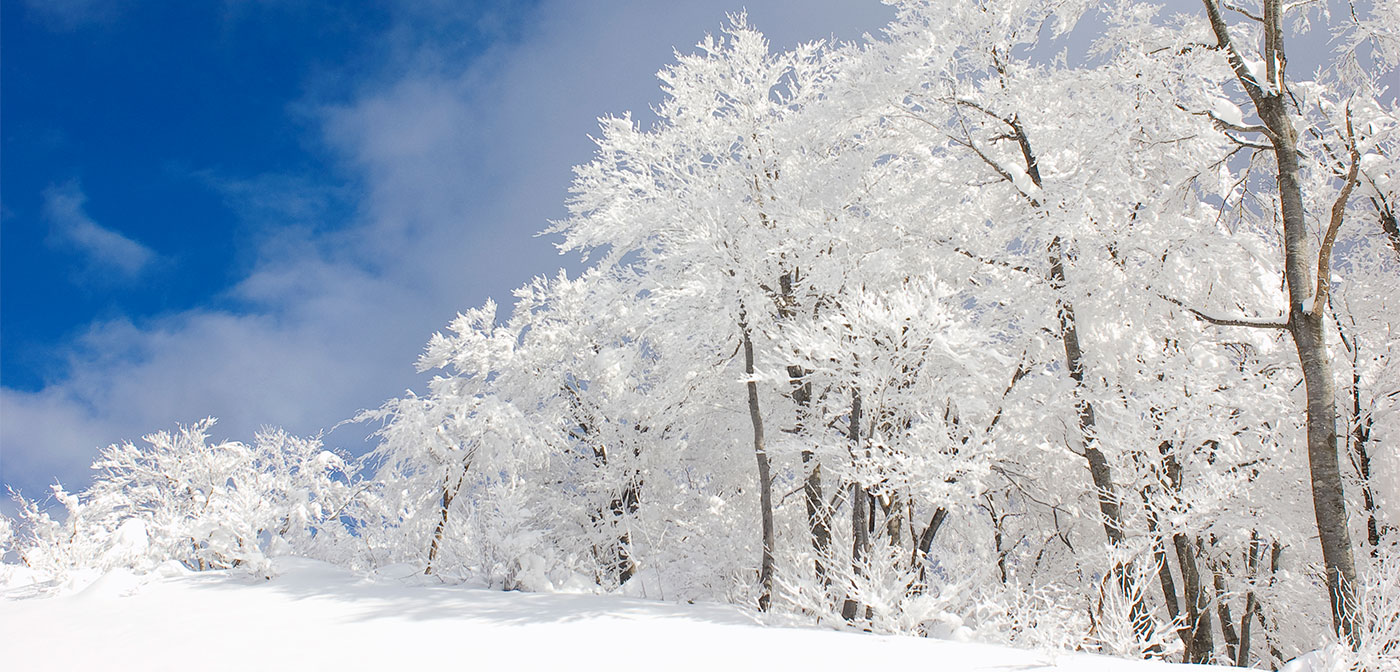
[
  {"x": 104, "y": 250},
  {"x": 454, "y": 166}
]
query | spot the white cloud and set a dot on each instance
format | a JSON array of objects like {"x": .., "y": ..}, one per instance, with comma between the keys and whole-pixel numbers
[
  {"x": 459, "y": 164},
  {"x": 105, "y": 251}
]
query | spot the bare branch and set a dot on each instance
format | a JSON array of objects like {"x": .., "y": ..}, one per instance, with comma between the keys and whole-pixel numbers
[
  {"x": 996, "y": 262},
  {"x": 1241, "y": 10},
  {"x": 1324, "y": 255},
  {"x": 1228, "y": 126},
  {"x": 1226, "y": 322},
  {"x": 1246, "y": 143}
]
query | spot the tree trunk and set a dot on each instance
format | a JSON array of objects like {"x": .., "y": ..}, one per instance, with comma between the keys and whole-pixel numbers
[
  {"x": 448, "y": 494},
  {"x": 1360, "y": 442},
  {"x": 926, "y": 543},
  {"x": 1250, "y": 600},
  {"x": 765, "y": 481},
  {"x": 894, "y": 520},
  {"x": 1199, "y": 645},
  {"x": 1196, "y": 630},
  {"x": 1159, "y": 556},
  {"x": 817, "y": 519},
  {"x": 1329, "y": 504},
  {"x": 1227, "y": 622},
  {"x": 860, "y": 513},
  {"x": 1305, "y": 322},
  {"x": 1099, "y": 470},
  {"x": 1388, "y": 223}
]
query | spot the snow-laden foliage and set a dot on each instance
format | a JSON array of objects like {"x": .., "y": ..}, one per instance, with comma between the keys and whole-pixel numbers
[
  {"x": 936, "y": 334},
  {"x": 206, "y": 505}
]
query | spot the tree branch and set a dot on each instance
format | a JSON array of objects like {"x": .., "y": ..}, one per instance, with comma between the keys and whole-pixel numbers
[
  {"x": 1324, "y": 255},
  {"x": 1222, "y": 37},
  {"x": 1227, "y": 126},
  {"x": 1241, "y": 10},
  {"x": 1226, "y": 322}
]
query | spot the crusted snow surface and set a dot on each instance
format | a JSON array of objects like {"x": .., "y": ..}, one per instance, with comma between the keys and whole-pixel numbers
[{"x": 316, "y": 616}]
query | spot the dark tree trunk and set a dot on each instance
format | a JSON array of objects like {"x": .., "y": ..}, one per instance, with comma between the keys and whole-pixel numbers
[
  {"x": 921, "y": 553},
  {"x": 1250, "y": 601},
  {"x": 1227, "y": 622},
  {"x": 448, "y": 494},
  {"x": 765, "y": 481},
  {"x": 1388, "y": 223},
  {"x": 1360, "y": 444},
  {"x": 1199, "y": 645},
  {"x": 1099, "y": 470},
  {"x": 1196, "y": 631},
  {"x": 817, "y": 518},
  {"x": 860, "y": 513},
  {"x": 1159, "y": 556}
]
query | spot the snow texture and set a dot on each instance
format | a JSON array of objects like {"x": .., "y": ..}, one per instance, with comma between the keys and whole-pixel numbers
[{"x": 316, "y": 616}]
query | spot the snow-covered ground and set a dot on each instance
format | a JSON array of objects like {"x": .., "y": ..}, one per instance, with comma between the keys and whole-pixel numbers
[{"x": 315, "y": 616}]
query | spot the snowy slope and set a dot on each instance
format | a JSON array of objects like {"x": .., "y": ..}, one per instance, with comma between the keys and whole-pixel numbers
[{"x": 314, "y": 616}]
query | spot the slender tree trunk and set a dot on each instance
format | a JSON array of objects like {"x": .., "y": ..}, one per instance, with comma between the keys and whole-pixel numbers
[
  {"x": 1305, "y": 321},
  {"x": 622, "y": 507},
  {"x": 1227, "y": 622},
  {"x": 1251, "y": 603},
  {"x": 1198, "y": 619},
  {"x": 1099, "y": 470},
  {"x": 894, "y": 520},
  {"x": 1360, "y": 442},
  {"x": 448, "y": 494},
  {"x": 1275, "y": 555},
  {"x": 925, "y": 544},
  {"x": 1159, "y": 556},
  {"x": 1388, "y": 223},
  {"x": 817, "y": 519},
  {"x": 860, "y": 513},
  {"x": 1196, "y": 631},
  {"x": 765, "y": 481}
]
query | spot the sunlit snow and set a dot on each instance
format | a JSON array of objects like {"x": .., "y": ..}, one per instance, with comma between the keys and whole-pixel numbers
[{"x": 316, "y": 616}]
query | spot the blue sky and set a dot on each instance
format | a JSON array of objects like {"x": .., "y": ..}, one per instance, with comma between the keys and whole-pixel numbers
[{"x": 260, "y": 209}]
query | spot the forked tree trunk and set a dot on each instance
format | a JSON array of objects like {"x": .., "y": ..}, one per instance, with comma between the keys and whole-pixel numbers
[
  {"x": 1199, "y": 645},
  {"x": 1196, "y": 632},
  {"x": 1305, "y": 309}
]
